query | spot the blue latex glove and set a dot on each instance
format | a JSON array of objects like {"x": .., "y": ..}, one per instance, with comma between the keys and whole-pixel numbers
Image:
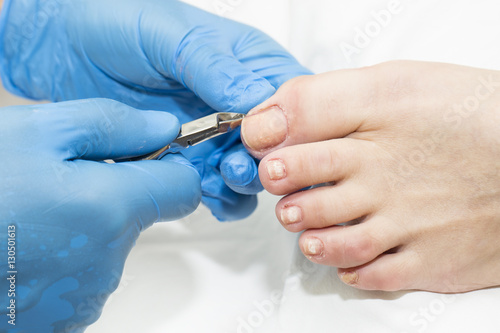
[
  {"x": 75, "y": 218},
  {"x": 150, "y": 54}
]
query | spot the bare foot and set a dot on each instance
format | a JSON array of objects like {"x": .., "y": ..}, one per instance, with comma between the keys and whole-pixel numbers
[{"x": 410, "y": 155}]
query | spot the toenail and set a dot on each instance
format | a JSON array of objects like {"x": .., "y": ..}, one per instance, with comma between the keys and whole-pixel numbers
[
  {"x": 276, "y": 169},
  {"x": 350, "y": 278},
  {"x": 313, "y": 246},
  {"x": 264, "y": 129},
  {"x": 291, "y": 215}
]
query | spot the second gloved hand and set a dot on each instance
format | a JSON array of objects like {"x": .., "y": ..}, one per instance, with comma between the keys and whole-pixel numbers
[
  {"x": 76, "y": 218},
  {"x": 150, "y": 54}
]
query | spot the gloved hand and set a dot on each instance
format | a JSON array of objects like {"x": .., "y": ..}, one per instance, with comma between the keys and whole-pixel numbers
[
  {"x": 151, "y": 54},
  {"x": 75, "y": 219}
]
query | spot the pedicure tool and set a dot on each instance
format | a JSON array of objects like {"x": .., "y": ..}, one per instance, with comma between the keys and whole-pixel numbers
[{"x": 198, "y": 131}]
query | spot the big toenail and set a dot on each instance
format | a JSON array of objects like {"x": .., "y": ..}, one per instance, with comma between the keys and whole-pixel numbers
[
  {"x": 313, "y": 246},
  {"x": 350, "y": 278},
  {"x": 291, "y": 215},
  {"x": 264, "y": 129},
  {"x": 276, "y": 169}
]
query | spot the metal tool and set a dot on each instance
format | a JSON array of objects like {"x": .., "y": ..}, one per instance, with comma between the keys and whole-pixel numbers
[{"x": 197, "y": 131}]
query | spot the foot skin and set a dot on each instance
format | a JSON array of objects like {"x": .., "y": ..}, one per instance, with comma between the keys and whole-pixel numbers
[{"x": 409, "y": 157}]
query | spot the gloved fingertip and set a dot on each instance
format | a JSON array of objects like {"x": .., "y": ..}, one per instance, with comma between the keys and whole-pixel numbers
[
  {"x": 240, "y": 173},
  {"x": 162, "y": 123},
  {"x": 253, "y": 188},
  {"x": 179, "y": 159},
  {"x": 232, "y": 88},
  {"x": 238, "y": 168},
  {"x": 225, "y": 212},
  {"x": 256, "y": 92}
]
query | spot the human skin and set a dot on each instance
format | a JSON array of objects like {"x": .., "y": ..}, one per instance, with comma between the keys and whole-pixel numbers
[{"x": 409, "y": 153}]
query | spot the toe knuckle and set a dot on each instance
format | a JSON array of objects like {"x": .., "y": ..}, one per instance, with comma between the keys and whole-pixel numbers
[
  {"x": 361, "y": 250},
  {"x": 296, "y": 90},
  {"x": 387, "y": 282},
  {"x": 319, "y": 166},
  {"x": 333, "y": 162},
  {"x": 337, "y": 255},
  {"x": 327, "y": 165}
]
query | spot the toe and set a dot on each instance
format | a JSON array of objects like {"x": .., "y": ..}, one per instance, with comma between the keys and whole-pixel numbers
[
  {"x": 324, "y": 206},
  {"x": 293, "y": 168},
  {"x": 388, "y": 272},
  {"x": 350, "y": 246},
  {"x": 308, "y": 109}
]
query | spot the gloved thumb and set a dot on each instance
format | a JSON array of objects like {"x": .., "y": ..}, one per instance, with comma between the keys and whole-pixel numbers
[{"x": 81, "y": 134}]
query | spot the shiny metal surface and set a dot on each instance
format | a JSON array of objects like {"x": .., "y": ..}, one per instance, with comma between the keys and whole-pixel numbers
[{"x": 198, "y": 131}]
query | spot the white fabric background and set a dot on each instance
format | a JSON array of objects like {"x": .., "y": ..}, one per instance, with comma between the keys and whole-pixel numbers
[{"x": 198, "y": 275}]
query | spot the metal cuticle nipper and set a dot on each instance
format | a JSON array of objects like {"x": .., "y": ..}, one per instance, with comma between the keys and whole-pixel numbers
[{"x": 198, "y": 131}]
